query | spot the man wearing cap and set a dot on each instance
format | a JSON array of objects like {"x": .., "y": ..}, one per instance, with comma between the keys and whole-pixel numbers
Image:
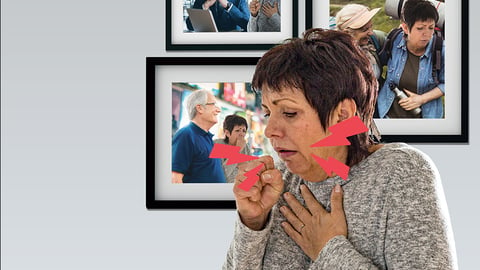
[{"x": 356, "y": 20}]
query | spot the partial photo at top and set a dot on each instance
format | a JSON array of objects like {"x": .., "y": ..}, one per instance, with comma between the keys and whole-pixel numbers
[{"x": 232, "y": 16}]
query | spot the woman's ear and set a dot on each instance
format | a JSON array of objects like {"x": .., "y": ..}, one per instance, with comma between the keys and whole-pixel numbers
[
  {"x": 346, "y": 109},
  {"x": 405, "y": 29}
]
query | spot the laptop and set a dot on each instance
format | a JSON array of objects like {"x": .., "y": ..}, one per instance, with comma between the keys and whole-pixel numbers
[{"x": 202, "y": 20}]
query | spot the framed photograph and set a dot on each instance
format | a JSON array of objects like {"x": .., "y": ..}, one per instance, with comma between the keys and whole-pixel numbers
[
  {"x": 191, "y": 27},
  {"x": 452, "y": 126},
  {"x": 169, "y": 81}
]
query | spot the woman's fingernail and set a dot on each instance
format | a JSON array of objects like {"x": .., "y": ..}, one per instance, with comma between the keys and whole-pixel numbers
[
  {"x": 266, "y": 176},
  {"x": 338, "y": 188},
  {"x": 286, "y": 194}
]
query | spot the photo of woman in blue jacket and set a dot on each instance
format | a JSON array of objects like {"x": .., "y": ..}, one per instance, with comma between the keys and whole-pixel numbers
[{"x": 409, "y": 67}]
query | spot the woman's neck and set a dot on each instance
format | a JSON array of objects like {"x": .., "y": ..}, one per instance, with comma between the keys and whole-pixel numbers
[
  {"x": 317, "y": 173},
  {"x": 415, "y": 50}
]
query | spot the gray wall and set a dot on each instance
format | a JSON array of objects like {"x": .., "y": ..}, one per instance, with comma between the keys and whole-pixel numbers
[{"x": 73, "y": 146}]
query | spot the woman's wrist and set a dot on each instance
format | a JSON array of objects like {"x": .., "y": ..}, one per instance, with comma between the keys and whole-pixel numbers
[{"x": 256, "y": 224}]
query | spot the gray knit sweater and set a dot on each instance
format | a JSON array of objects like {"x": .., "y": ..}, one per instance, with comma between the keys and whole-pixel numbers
[
  {"x": 262, "y": 23},
  {"x": 396, "y": 215}
]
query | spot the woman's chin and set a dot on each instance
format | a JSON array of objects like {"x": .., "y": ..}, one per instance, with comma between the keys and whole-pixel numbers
[{"x": 294, "y": 167}]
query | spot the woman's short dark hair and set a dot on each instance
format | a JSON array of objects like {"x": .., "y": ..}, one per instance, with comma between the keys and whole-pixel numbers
[
  {"x": 418, "y": 10},
  {"x": 231, "y": 121},
  {"x": 327, "y": 67}
]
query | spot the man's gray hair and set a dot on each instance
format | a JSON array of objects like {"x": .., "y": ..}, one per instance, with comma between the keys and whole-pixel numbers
[{"x": 199, "y": 97}]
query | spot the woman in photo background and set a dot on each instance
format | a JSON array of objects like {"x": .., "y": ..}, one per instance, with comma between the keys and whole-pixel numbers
[
  {"x": 388, "y": 213},
  {"x": 264, "y": 16},
  {"x": 409, "y": 67},
  {"x": 356, "y": 20},
  {"x": 235, "y": 128}
]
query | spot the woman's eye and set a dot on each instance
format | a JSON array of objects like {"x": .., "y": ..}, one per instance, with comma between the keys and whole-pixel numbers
[
  {"x": 266, "y": 115},
  {"x": 290, "y": 114}
]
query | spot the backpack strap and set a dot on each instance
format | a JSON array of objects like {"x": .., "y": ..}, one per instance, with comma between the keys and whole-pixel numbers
[
  {"x": 437, "y": 55},
  {"x": 375, "y": 42},
  {"x": 388, "y": 44},
  {"x": 378, "y": 39}
]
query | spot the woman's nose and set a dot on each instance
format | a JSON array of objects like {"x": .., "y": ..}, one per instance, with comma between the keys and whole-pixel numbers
[{"x": 272, "y": 129}]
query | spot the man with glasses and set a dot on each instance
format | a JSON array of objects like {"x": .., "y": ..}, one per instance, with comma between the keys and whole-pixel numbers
[{"x": 192, "y": 144}]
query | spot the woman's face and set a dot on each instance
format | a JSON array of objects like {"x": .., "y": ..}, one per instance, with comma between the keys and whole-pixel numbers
[
  {"x": 420, "y": 33},
  {"x": 293, "y": 125},
  {"x": 363, "y": 34},
  {"x": 238, "y": 133}
]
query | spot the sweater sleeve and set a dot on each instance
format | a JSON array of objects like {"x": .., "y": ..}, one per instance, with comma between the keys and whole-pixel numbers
[
  {"x": 418, "y": 233},
  {"x": 252, "y": 24},
  {"x": 340, "y": 252},
  {"x": 274, "y": 21},
  {"x": 248, "y": 247}
]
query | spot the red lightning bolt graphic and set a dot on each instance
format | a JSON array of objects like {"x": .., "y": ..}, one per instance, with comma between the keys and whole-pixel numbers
[
  {"x": 252, "y": 178},
  {"x": 333, "y": 165},
  {"x": 341, "y": 131},
  {"x": 231, "y": 152}
]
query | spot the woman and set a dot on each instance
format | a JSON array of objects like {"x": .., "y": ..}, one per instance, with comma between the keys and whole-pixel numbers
[
  {"x": 410, "y": 67},
  {"x": 356, "y": 20},
  {"x": 235, "y": 128},
  {"x": 390, "y": 212},
  {"x": 264, "y": 16}
]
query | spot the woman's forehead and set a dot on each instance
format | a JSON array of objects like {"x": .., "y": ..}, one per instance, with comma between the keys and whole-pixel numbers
[{"x": 269, "y": 92}]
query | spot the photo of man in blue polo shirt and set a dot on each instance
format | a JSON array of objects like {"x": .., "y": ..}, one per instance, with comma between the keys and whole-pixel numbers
[{"x": 192, "y": 144}]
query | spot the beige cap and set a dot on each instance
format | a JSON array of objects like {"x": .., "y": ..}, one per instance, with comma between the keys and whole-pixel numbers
[{"x": 354, "y": 16}]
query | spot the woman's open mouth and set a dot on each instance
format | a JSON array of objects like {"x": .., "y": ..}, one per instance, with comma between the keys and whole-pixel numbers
[{"x": 283, "y": 153}]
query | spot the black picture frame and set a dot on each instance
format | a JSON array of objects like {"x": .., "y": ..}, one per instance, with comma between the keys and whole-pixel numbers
[
  {"x": 172, "y": 44},
  {"x": 315, "y": 17},
  {"x": 153, "y": 200}
]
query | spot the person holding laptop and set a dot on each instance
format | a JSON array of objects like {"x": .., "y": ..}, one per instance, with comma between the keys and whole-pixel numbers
[{"x": 229, "y": 15}]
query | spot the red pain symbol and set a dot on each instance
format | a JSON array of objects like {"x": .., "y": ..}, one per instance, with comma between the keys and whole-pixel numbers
[
  {"x": 332, "y": 165},
  {"x": 340, "y": 132},
  {"x": 232, "y": 154},
  {"x": 252, "y": 178}
]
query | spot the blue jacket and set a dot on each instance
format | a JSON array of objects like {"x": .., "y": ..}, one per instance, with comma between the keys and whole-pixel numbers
[
  {"x": 425, "y": 82},
  {"x": 236, "y": 19}
]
